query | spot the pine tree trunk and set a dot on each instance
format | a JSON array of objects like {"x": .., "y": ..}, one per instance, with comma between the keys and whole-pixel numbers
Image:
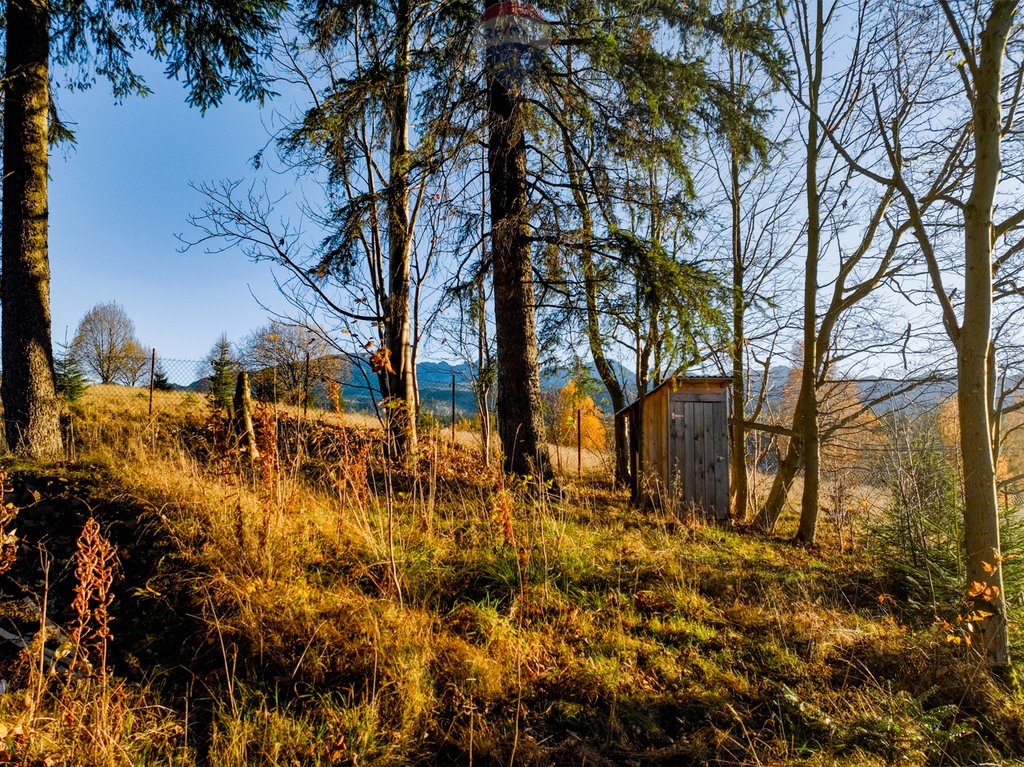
[
  {"x": 402, "y": 382},
  {"x": 31, "y": 408},
  {"x": 519, "y": 406},
  {"x": 981, "y": 511}
]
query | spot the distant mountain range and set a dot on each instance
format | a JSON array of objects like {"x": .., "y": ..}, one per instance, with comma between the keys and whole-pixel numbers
[
  {"x": 435, "y": 381},
  {"x": 923, "y": 396},
  {"x": 360, "y": 390}
]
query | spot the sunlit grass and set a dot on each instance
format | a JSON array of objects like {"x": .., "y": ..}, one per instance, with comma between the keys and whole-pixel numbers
[{"x": 446, "y": 616}]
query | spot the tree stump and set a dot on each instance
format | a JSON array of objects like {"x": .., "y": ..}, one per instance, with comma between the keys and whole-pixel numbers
[{"x": 241, "y": 421}]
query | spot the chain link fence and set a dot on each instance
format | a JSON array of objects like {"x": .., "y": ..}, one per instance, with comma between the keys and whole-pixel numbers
[{"x": 165, "y": 389}]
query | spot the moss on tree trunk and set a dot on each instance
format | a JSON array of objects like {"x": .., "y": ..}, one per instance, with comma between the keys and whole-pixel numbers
[{"x": 31, "y": 408}]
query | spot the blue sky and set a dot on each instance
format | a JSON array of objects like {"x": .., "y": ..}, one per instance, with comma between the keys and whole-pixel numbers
[{"x": 119, "y": 197}]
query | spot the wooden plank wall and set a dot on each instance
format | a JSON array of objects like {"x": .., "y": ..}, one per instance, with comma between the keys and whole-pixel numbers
[
  {"x": 656, "y": 442},
  {"x": 721, "y": 429},
  {"x": 686, "y": 445}
]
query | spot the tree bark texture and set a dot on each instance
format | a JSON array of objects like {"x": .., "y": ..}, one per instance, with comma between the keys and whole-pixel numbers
[
  {"x": 402, "y": 382},
  {"x": 31, "y": 408},
  {"x": 241, "y": 418},
  {"x": 807, "y": 425},
  {"x": 519, "y": 405},
  {"x": 785, "y": 474}
]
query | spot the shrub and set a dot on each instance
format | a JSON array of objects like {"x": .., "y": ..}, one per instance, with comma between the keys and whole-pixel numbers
[{"x": 919, "y": 536}]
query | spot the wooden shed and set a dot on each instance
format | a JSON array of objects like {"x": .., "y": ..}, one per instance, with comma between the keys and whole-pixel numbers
[{"x": 684, "y": 436}]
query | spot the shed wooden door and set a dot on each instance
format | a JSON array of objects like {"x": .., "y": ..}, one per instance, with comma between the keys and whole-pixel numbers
[{"x": 699, "y": 452}]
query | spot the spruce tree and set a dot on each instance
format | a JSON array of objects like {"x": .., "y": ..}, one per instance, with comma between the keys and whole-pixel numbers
[
  {"x": 214, "y": 47},
  {"x": 69, "y": 380},
  {"x": 222, "y": 369},
  {"x": 614, "y": 105},
  {"x": 160, "y": 380},
  {"x": 388, "y": 71}
]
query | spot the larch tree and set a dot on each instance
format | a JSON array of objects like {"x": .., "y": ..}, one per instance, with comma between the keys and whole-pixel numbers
[
  {"x": 381, "y": 80},
  {"x": 214, "y": 47}
]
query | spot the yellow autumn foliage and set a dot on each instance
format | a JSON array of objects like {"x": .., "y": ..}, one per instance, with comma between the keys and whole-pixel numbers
[
  {"x": 573, "y": 402},
  {"x": 949, "y": 433},
  {"x": 848, "y": 429}
]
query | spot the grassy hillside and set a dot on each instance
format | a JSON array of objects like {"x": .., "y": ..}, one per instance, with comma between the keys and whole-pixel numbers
[{"x": 324, "y": 607}]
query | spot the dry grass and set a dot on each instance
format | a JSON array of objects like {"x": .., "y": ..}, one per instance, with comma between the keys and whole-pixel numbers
[
  {"x": 107, "y": 405},
  {"x": 328, "y": 608}
]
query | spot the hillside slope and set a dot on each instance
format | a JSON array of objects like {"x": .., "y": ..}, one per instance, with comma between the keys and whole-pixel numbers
[{"x": 324, "y": 608}]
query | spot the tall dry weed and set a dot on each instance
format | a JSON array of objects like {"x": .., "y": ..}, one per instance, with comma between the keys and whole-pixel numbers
[
  {"x": 353, "y": 468},
  {"x": 268, "y": 469},
  {"x": 95, "y": 565}
]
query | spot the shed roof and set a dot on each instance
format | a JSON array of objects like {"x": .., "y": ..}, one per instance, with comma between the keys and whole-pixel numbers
[{"x": 721, "y": 381}]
